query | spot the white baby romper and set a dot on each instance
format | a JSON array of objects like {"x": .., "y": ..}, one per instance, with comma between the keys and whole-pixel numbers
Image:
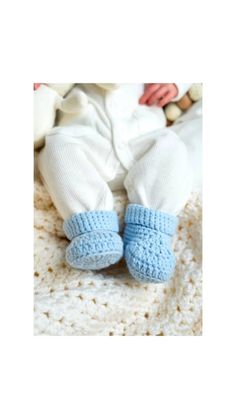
[{"x": 115, "y": 135}]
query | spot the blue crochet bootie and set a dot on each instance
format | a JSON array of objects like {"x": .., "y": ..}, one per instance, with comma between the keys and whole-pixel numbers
[
  {"x": 147, "y": 243},
  {"x": 95, "y": 243}
]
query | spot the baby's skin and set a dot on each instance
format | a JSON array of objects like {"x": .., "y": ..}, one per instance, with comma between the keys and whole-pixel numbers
[{"x": 158, "y": 94}]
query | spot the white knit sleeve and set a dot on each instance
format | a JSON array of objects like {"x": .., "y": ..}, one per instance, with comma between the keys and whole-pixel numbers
[{"x": 45, "y": 104}]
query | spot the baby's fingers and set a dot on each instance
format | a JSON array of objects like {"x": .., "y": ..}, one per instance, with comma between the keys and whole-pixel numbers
[
  {"x": 36, "y": 85},
  {"x": 166, "y": 99},
  {"x": 150, "y": 89},
  {"x": 158, "y": 95}
]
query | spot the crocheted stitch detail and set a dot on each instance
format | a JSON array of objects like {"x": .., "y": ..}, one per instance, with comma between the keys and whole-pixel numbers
[
  {"x": 150, "y": 260},
  {"x": 157, "y": 220},
  {"x": 135, "y": 232},
  {"x": 85, "y": 222},
  {"x": 147, "y": 241},
  {"x": 94, "y": 250}
]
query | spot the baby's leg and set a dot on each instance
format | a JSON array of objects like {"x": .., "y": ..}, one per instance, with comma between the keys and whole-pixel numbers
[
  {"x": 84, "y": 201},
  {"x": 72, "y": 180},
  {"x": 161, "y": 179},
  {"x": 158, "y": 186},
  {"x": 189, "y": 130}
]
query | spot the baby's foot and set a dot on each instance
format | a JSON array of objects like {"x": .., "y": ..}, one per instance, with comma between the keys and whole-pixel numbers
[
  {"x": 95, "y": 243},
  {"x": 147, "y": 242}
]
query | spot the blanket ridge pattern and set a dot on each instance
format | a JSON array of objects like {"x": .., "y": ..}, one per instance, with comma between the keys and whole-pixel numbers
[{"x": 110, "y": 302}]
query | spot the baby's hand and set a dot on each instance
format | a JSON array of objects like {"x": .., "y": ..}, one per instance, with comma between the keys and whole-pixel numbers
[
  {"x": 159, "y": 94},
  {"x": 37, "y": 85}
]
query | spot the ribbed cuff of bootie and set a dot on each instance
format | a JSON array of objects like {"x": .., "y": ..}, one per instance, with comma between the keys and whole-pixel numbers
[
  {"x": 155, "y": 220},
  {"x": 88, "y": 221}
]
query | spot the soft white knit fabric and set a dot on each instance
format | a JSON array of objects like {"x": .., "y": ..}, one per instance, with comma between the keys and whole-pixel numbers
[
  {"x": 70, "y": 302},
  {"x": 85, "y": 151}
]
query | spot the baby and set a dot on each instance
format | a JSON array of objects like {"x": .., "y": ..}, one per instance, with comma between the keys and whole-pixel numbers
[{"x": 118, "y": 138}]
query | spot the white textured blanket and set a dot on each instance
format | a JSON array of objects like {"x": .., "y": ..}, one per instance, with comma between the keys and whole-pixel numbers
[{"x": 110, "y": 302}]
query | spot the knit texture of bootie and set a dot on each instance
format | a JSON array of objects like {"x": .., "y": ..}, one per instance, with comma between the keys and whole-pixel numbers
[
  {"x": 147, "y": 243},
  {"x": 95, "y": 243}
]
